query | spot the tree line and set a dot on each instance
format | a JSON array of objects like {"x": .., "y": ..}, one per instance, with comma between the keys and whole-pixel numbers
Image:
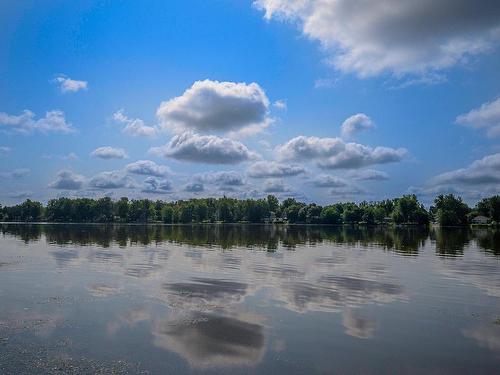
[{"x": 446, "y": 210}]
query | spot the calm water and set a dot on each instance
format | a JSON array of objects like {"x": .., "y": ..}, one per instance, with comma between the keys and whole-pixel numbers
[{"x": 248, "y": 299}]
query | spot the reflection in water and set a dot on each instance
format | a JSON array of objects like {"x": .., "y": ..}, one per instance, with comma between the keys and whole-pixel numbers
[
  {"x": 213, "y": 296},
  {"x": 358, "y": 326},
  {"x": 204, "y": 293},
  {"x": 402, "y": 240},
  {"x": 485, "y": 336},
  {"x": 207, "y": 340}
]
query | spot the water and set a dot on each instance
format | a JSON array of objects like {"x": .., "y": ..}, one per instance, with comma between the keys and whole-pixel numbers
[{"x": 248, "y": 299}]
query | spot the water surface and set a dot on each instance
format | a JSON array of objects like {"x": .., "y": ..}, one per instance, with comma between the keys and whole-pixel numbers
[{"x": 248, "y": 299}]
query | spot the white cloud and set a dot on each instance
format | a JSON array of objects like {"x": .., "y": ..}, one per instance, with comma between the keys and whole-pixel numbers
[
  {"x": 208, "y": 149},
  {"x": 224, "y": 178},
  {"x": 266, "y": 169},
  {"x": 486, "y": 117},
  {"x": 148, "y": 168},
  {"x": 67, "y": 180},
  {"x": 53, "y": 121},
  {"x": 280, "y": 104},
  {"x": 369, "y": 175},
  {"x": 134, "y": 127},
  {"x": 212, "y": 106},
  {"x": 16, "y": 173},
  {"x": 329, "y": 181},
  {"x": 484, "y": 171},
  {"x": 334, "y": 153},
  {"x": 111, "y": 180},
  {"x": 68, "y": 85},
  {"x": 355, "y": 124},
  {"x": 274, "y": 185},
  {"x": 194, "y": 187},
  {"x": 4, "y": 150},
  {"x": 347, "y": 192},
  {"x": 155, "y": 186},
  {"x": 399, "y": 37},
  {"x": 109, "y": 153}
]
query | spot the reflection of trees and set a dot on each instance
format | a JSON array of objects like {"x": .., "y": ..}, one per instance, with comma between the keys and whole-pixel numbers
[
  {"x": 404, "y": 240},
  {"x": 488, "y": 239},
  {"x": 26, "y": 232},
  {"x": 451, "y": 241}
]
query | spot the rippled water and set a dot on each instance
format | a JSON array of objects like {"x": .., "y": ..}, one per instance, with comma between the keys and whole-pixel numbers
[{"x": 248, "y": 299}]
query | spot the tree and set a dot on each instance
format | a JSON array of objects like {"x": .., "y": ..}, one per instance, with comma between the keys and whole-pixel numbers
[
  {"x": 122, "y": 209},
  {"x": 451, "y": 210},
  {"x": 331, "y": 215}
]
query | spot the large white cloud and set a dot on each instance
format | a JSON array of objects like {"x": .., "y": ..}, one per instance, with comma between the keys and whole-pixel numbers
[
  {"x": 54, "y": 121},
  {"x": 68, "y": 85},
  {"x": 397, "y": 36},
  {"x": 486, "y": 117},
  {"x": 148, "y": 168},
  {"x": 212, "y": 106},
  {"x": 334, "y": 153},
  {"x": 485, "y": 171},
  {"x": 355, "y": 124},
  {"x": 134, "y": 126},
  {"x": 67, "y": 180},
  {"x": 109, "y": 153},
  {"x": 208, "y": 149},
  {"x": 266, "y": 169}
]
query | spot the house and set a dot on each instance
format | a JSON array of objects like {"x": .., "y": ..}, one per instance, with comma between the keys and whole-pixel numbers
[{"x": 480, "y": 220}]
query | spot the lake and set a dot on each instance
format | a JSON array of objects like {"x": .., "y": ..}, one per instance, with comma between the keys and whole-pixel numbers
[{"x": 248, "y": 299}]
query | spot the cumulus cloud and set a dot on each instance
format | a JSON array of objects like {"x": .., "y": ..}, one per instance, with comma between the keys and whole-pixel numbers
[
  {"x": 355, "y": 124},
  {"x": 194, "y": 187},
  {"x": 212, "y": 106},
  {"x": 274, "y": 185},
  {"x": 266, "y": 169},
  {"x": 486, "y": 117},
  {"x": 134, "y": 126},
  {"x": 155, "y": 186},
  {"x": 109, "y": 153},
  {"x": 54, "y": 121},
  {"x": 399, "y": 37},
  {"x": 68, "y": 85},
  {"x": 334, "y": 153},
  {"x": 4, "y": 150},
  {"x": 329, "y": 181},
  {"x": 111, "y": 180},
  {"x": 67, "y": 180},
  {"x": 148, "y": 168},
  {"x": 481, "y": 172},
  {"x": 224, "y": 178},
  {"x": 16, "y": 173},
  {"x": 369, "y": 175},
  {"x": 208, "y": 149}
]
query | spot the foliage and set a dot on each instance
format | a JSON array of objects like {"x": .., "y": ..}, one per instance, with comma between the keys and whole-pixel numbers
[{"x": 447, "y": 210}]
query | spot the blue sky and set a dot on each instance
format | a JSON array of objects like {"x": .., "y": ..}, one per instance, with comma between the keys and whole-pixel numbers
[{"x": 325, "y": 101}]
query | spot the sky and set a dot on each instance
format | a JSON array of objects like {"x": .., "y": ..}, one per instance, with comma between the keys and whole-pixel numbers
[{"x": 320, "y": 100}]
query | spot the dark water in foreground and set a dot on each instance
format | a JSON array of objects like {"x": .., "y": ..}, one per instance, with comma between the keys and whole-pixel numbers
[{"x": 248, "y": 299}]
